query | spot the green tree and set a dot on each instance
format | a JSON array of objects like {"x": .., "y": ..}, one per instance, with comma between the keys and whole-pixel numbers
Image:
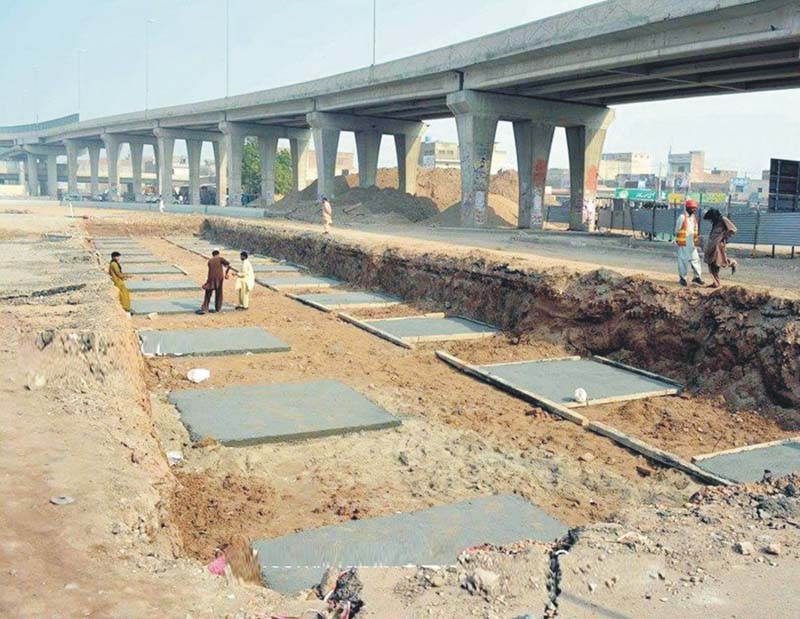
[{"x": 251, "y": 169}]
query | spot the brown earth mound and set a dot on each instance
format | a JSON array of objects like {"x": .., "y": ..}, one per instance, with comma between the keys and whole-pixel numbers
[{"x": 501, "y": 213}]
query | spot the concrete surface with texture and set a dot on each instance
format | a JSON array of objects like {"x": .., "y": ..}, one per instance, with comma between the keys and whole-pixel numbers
[
  {"x": 169, "y": 306},
  {"x": 252, "y": 414},
  {"x": 427, "y": 328},
  {"x": 347, "y": 299},
  {"x": 749, "y": 465},
  {"x": 159, "y": 285},
  {"x": 151, "y": 269},
  {"x": 301, "y": 281},
  {"x": 434, "y": 536},
  {"x": 234, "y": 340}
]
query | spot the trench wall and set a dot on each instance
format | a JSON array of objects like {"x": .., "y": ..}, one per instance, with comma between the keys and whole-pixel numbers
[{"x": 734, "y": 343}]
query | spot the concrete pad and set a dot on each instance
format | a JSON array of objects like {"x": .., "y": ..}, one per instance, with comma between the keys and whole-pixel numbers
[
  {"x": 252, "y": 414},
  {"x": 235, "y": 340},
  {"x": 137, "y": 259},
  {"x": 350, "y": 300},
  {"x": 748, "y": 464},
  {"x": 262, "y": 266},
  {"x": 296, "y": 282},
  {"x": 557, "y": 379},
  {"x": 161, "y": 285},
  {"x": 431, "y": 328},
  {"x": 169, "y": 306},
  {"x": 434, "y": 536},
  {"x": 151, "y": 269}
]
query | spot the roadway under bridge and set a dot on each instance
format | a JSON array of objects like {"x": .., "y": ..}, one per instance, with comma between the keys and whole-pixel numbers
[{"x": 563, "y": 71}]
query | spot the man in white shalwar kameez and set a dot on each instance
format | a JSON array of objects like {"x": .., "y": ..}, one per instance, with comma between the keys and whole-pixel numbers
[{"x": 245, "y": 282}]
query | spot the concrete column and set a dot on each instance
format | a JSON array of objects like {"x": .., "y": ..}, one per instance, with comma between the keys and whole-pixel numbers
[
  {"x": 73, "y": 148},
  {"x": 233, "y": 145},
  {"x": 326, "y": 146},
  {"x": 166, "y": 147},
  {"x": 94, "y": 169},
  {"x": 112, "y": 144},
  {"x": 533, "y": 142},
  {"x": 300, "y": 149},
  {"x": 33, "y": 174},
  {"x": 585, "y": 147},
  {"x": 268, "y": 152},
  {"x": 52, "y": 176},
  {"x": 137, "y": 148},
  {"x": 221, "y": 167},
  {"x": 193, "y": 150},
  {"x": 368, "y": 143},
  {"x": 407, "y": 145},
  {"x": 475, "y": 145},
  {"x": 21, "y": 174}
]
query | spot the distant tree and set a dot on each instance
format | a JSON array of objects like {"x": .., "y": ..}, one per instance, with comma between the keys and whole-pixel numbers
[{"x": 251, "y": 169}]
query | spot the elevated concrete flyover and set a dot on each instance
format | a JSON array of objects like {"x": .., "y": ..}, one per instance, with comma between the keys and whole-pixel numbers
[{"x": 559, "y": 71}]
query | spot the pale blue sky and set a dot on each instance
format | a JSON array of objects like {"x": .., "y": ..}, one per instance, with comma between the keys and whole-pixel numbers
[{"x": 274, "y": 43}]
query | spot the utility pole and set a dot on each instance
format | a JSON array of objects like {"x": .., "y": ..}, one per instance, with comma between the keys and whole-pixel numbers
[{"x": 36, "y": 94}]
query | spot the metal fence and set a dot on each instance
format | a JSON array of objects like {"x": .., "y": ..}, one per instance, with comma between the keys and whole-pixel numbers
[{"x": 754, "y": 227}]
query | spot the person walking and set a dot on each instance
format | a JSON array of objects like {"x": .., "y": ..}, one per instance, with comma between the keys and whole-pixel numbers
[
  {"x": 687, "y": 238},
  {"x": 118, "y": 277},
  {"x": 245, "y": 281},
  {"x": 327, "y": 214},
  {"x": 218, "y": 270},
  {"x": 716, "y": 255}
]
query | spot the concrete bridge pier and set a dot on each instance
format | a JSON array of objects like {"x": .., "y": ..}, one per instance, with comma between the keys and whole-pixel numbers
[
  {"x": 221, "y": 171},
  {"x": 533, "y": 142},
  {"x": 32, "y": 167},
  {"x": 165, "y": 146},
  {"x": 585, "y": 146},
  {"x": 137, "y": 149},
  {"x": 268, "y": 151},
  {"x": 94, "y": 169},
  {"x": 233, "y": 147},
  {"x": 477, "y": 114},
  {"x": 299, "y": 148},
  {"x": 73, "y": 150},
  {"x": 112, "y": 144},
  {"x": 368, "y": 131},
  {"x": 193, "y": 150},
  {"x": 52, "y": 176},
  {"x": 22, "y": 180}
]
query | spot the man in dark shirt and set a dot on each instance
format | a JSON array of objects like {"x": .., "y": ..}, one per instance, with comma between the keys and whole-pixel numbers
[{"x": 218, "y": 269}]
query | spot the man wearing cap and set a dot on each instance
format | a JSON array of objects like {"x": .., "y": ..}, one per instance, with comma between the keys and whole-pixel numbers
[{"x": 687, "y": 238}]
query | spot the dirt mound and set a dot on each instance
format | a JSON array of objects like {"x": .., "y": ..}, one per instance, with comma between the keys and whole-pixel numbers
[{"x": 502, "y": 212}]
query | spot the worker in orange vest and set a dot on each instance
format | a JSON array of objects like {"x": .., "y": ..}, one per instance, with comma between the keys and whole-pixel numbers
[{"x": 687, "y": 238}]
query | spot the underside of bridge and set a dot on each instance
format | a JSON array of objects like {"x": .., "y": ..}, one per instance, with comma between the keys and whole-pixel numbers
[{"x": 563, "y": 71}]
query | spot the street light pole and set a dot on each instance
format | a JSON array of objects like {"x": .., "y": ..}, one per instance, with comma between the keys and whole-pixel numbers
[
  {"x": 227, "y": 47},
  {"x": 36, "y": 94},
  {"x": 147, "y": 64},
  {"x": 374, "y": 30},
  {"x": 80, "y": 51}
]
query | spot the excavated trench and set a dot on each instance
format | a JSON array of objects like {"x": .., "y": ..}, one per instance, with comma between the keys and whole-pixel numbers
[{"x": 734, "y": 343}]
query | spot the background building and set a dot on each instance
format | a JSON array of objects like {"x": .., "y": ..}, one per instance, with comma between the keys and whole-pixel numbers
[
  {"x": 687, "y": 171},
  {"x": 436, "y": 154},
  {"x": 626, "y": 165}
]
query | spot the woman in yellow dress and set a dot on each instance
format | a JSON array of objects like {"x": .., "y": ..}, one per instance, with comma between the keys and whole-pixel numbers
[{"x": 118, "y": 277}]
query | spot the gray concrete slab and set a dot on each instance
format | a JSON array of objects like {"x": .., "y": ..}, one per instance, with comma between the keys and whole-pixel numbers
[
  {"x": 557, "y": 379},
  {"x": 161, "y": 285},
  {"x": 138, "y": 259},
  {"x": 234, "y": 340},
  {"x": 296, "y": 282},
  {"x": 151, "y": 269},
  {"x": 263, "y": 266},
  {"x": 350, "y": 300},
  {"x": 252, "y": 414},
  {"x": 434, "y": 536},
  {"x": 427, "y": 328},
  {"x": 749, "y": 465},
  {"x": 169, "y": 306}
]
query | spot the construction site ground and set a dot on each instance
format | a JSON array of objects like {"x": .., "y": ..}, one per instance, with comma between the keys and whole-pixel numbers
[{"x": 88, "y": 417}]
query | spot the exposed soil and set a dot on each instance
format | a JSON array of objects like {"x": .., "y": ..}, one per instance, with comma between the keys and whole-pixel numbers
[{"x": 736, "y": 343}]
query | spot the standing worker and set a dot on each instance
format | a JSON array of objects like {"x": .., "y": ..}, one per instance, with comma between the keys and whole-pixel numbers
[
  {"x": 245, "y": 281},
  {"x": 218, "y": 269},
  {"x": 118, "y": 277},
  {"x": 327, "y": 214},
  {"x": 687, "y": 238},
  {"x": 716, "y": 256}
]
